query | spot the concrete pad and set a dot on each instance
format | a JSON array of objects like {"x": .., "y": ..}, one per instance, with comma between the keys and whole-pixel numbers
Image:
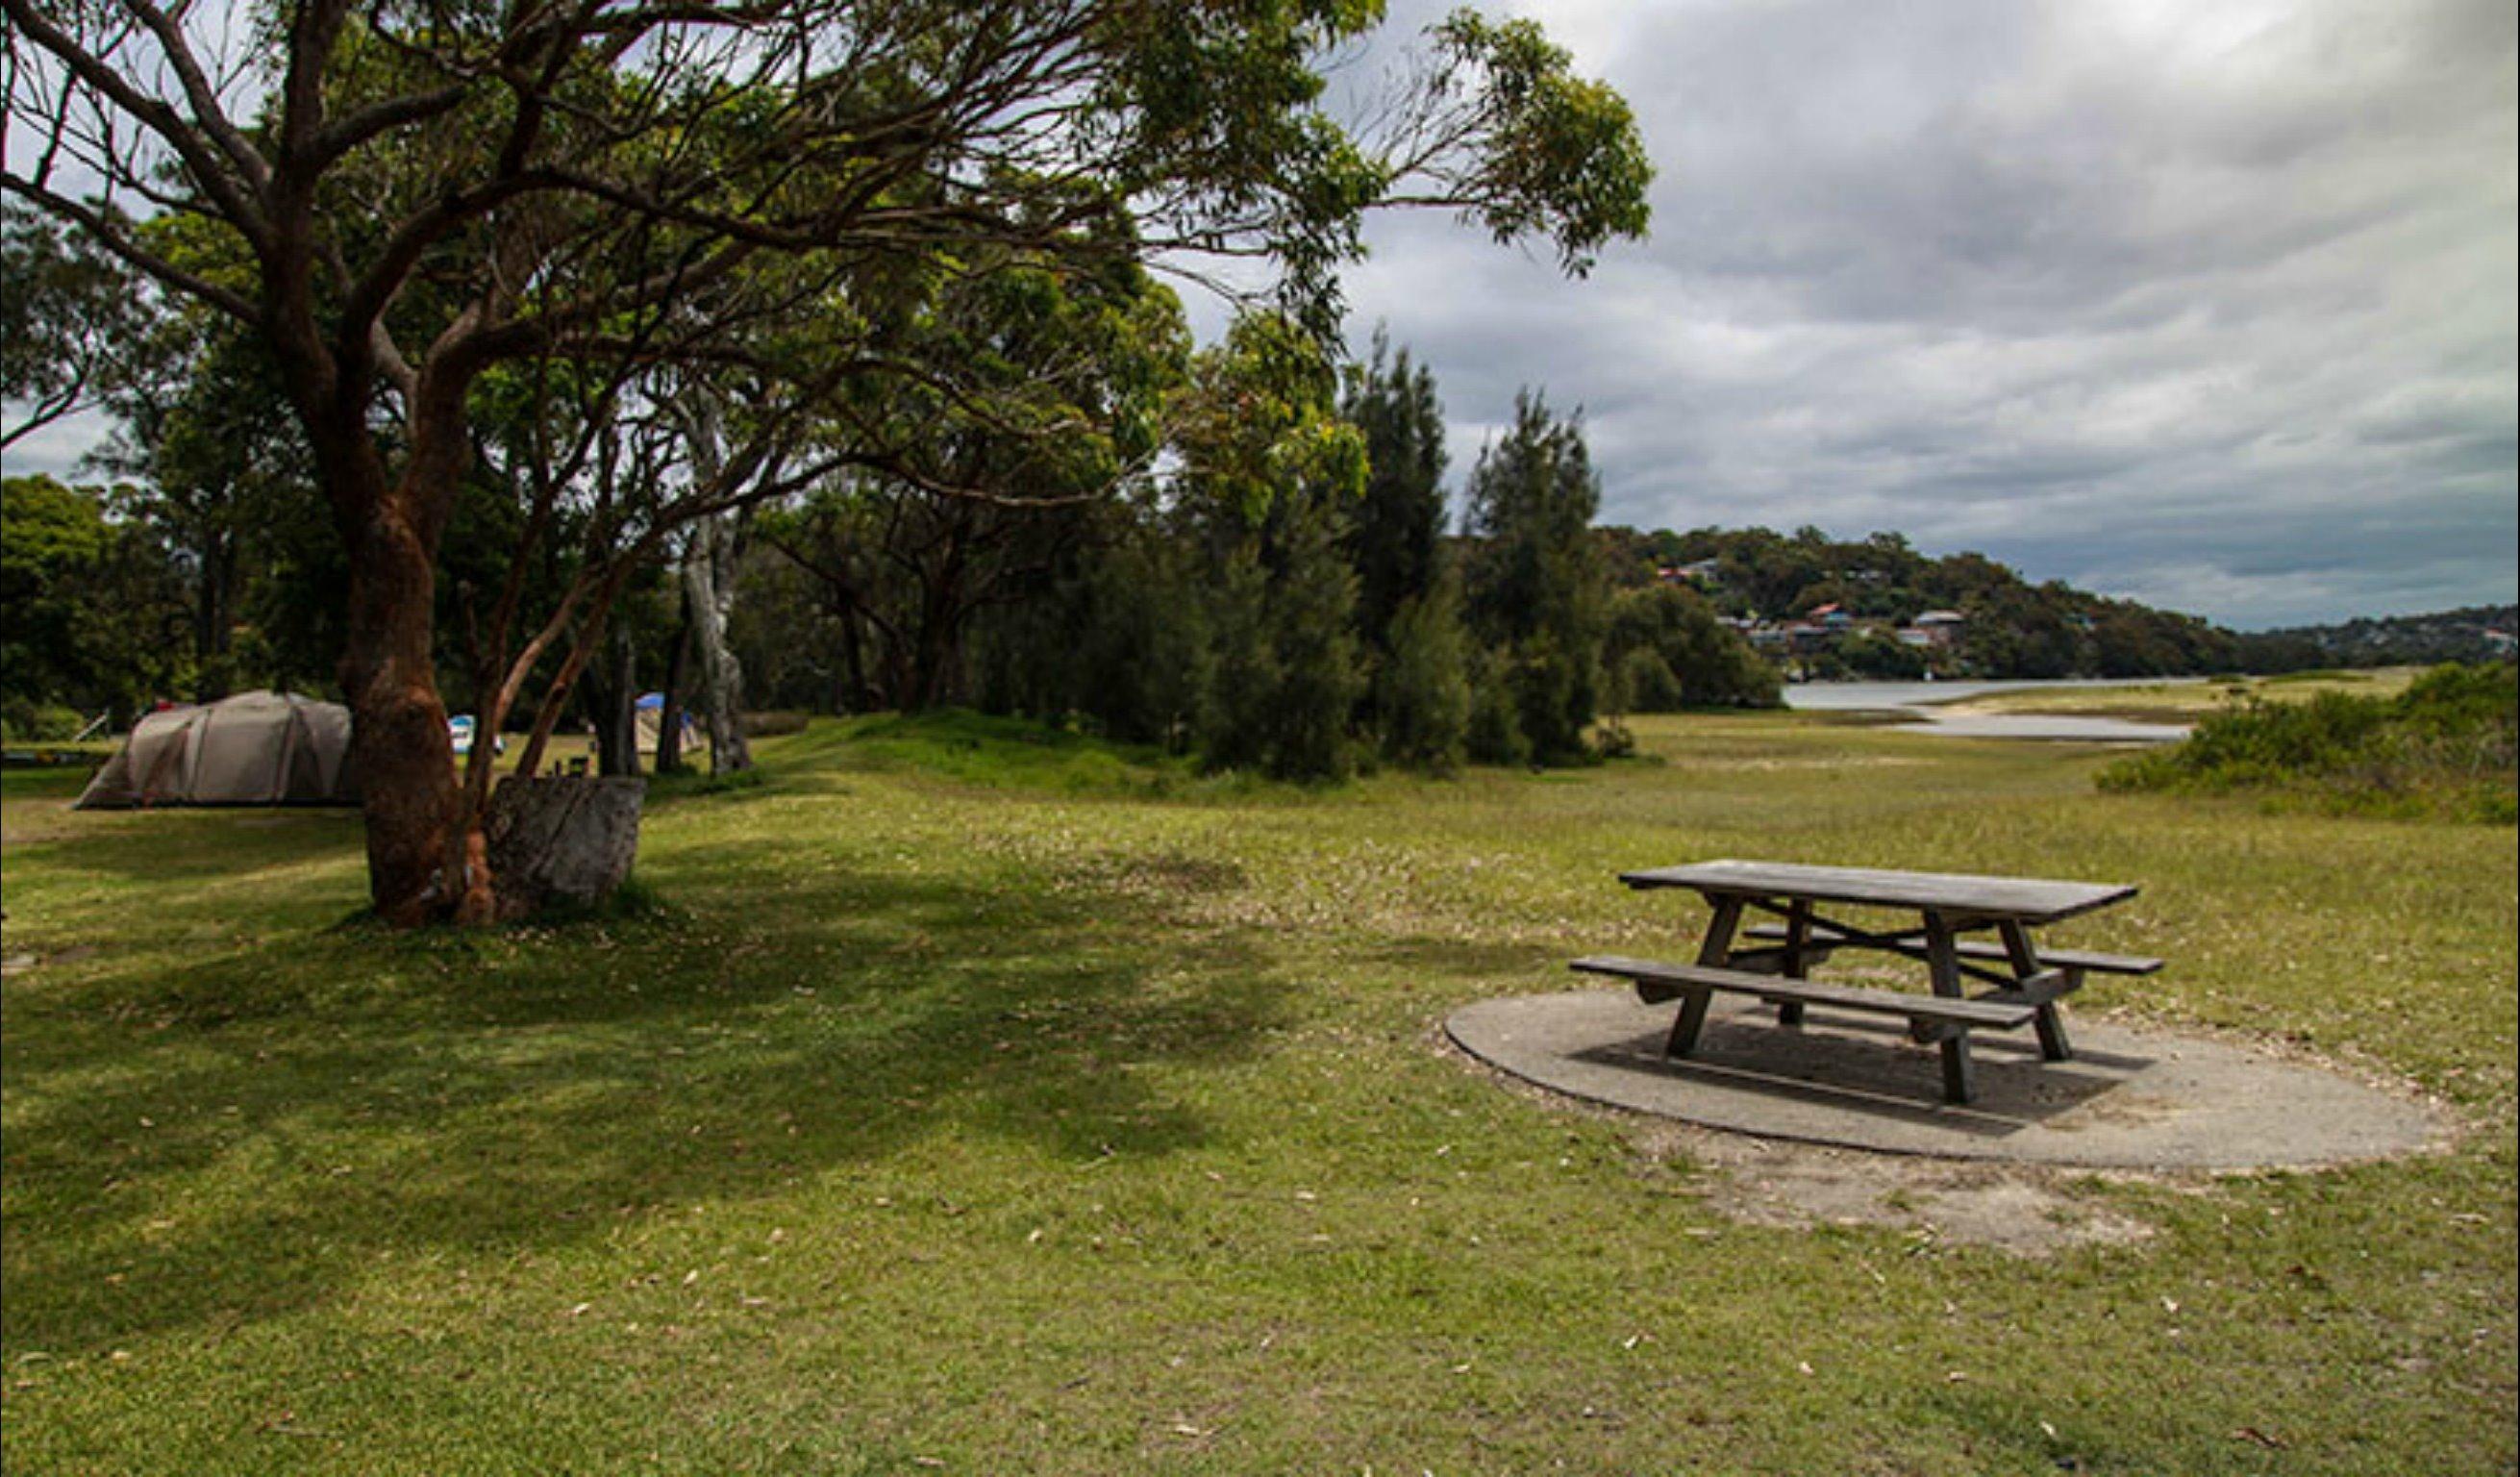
[{"x": 2128, "y": 1099}]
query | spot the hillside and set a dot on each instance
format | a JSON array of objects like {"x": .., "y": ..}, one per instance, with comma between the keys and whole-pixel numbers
[
  {"x": 1878, "y": 607},
  {"x": 2471, "y": 633}
]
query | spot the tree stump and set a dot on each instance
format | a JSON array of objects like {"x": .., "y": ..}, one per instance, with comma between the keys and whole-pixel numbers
[{"x": 567, "y": 838}]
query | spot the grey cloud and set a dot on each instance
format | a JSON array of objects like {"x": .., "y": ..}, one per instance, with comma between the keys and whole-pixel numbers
[{"x": 2211, "y": 304}]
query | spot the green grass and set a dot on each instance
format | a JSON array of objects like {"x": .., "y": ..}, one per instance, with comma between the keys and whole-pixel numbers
[
  {"x": 2186, "y": 701},
  {"x": 968, "y": 1095}
]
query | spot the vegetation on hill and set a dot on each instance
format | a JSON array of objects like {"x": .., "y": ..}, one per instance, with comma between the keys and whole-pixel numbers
[
  {"x": 2011, "y": 627},
  {"x": 2448, "y": 745},
  {"x": 2471, "y": 634}
]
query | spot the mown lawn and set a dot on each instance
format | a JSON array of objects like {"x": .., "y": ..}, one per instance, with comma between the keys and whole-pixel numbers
[{"x": 973, "y": 1103}]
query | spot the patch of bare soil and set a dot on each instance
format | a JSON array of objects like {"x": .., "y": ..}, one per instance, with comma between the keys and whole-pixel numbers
[{"x": 2017, "y": 1208}]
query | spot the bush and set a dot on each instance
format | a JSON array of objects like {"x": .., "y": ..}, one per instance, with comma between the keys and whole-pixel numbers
[
  {"x": 1556, "y": 690},
  {"x": 2449, "y": 745},
  {"x": 1495, "y": 733},
  {"x": 1422, "y": 694},
  {"x": 40, "y": 722},
  {"x": 1645, "y": 683},
  {"x": 772, "y": 725},
  {"x": 1702, "y": 661}
]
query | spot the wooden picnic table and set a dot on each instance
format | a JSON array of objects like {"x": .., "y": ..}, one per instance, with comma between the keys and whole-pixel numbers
[{"x": 2026, "y": 983}]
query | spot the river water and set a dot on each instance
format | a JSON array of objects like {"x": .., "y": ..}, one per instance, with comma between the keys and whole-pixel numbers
[{"x": 1922, "y": 705}]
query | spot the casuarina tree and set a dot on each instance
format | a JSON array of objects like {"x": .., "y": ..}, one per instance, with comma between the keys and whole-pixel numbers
[{"x": 1538, "y": 595}]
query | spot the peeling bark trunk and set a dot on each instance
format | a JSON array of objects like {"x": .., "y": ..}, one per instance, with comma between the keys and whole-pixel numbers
[
  {"x": 419, "y": 839},
  {"x": 708, "y": 586},
  {"x": 427, "y": 858},
  {"x": 708, "y": 594}
]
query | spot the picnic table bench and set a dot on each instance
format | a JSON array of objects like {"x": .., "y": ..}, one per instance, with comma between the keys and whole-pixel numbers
[{"x": 1949, "y": 905}]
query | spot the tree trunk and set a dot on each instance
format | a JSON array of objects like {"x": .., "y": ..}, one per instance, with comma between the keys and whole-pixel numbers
[
  {"x": 427, "y": 856},
  {"x": 669, "y": 715},
  {"x": 612, "y": 706},
  {"x": 211, "y": 633},
  {"x": 856, "y": 698},
  {"x": 708, "y": 592},
  {"x": 424, "y": 861}
]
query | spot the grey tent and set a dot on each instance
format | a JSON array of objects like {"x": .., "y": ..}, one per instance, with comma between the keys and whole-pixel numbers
[{"x": 255, "y": 748}]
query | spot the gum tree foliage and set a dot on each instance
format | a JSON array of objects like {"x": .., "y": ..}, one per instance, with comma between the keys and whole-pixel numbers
[
  {"x": 909, "y": 564},
  {"x": 415, "y": 196},
  {"x": 220, "y": 474},
  {"x": 73, "y": 321}
]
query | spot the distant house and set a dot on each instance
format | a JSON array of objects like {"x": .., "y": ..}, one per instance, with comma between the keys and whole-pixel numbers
[
  {"x": 1934, "y": 628},
  {"x": 1696, "y": 572}
]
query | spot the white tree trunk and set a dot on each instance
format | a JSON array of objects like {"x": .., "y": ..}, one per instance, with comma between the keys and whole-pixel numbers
[
  {"x": 709, "y": 587},
  {"x": 708, "y": 580}
]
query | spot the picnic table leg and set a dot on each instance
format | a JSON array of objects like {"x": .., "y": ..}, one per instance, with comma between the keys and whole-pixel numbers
[
  {"x": 1798, "y": 920},
  {"x": 1960, "y": 1074},
  {"x": 2052, "y": 1044},
  {"x": 1713, "y": 954}
]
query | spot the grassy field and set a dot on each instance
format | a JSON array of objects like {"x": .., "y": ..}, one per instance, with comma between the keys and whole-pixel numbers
[
  {"x": 2185, "y": 701},
  {"x": 963, "y": 1100}
]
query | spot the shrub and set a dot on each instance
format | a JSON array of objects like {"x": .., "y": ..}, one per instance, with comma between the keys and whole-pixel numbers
[
  {"x": 1422, "y": 692},
  {"x": 40, "y": 722},
  {"x": 1645, "y": 683},
  {"x": 2447, "y": 745},
  {"x": 1704, "y": 662},
  {"x": 1495, "y": 733}
]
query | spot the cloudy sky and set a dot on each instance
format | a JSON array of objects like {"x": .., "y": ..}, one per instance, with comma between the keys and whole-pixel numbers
[
  {"x": 2207, "y": 304},
  {"x": 2210, "y": 304}
]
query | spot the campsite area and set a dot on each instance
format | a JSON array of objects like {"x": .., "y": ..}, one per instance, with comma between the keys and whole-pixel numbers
[{"x": 965, "y": 1096}]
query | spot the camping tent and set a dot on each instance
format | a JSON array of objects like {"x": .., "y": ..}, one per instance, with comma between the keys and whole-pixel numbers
[
  {"x": 255, "y": 748},
  {"x": 649, "y": 713}
]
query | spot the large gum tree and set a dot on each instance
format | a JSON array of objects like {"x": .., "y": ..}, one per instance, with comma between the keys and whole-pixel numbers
[{"x": 429, "y": 210}]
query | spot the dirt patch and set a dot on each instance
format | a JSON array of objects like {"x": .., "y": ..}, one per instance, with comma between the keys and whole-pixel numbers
[{"x": 2014, "y": 1208}]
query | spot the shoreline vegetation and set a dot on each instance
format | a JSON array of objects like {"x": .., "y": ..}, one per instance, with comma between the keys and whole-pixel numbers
[{"x": 2444, "y": 745}]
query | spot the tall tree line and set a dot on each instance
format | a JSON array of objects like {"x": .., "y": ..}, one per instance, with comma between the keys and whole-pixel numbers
[{"x": 1291, "y": 597}]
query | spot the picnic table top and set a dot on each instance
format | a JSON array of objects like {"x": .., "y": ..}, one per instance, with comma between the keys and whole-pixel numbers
[{"x": 2027, "y": 900}]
